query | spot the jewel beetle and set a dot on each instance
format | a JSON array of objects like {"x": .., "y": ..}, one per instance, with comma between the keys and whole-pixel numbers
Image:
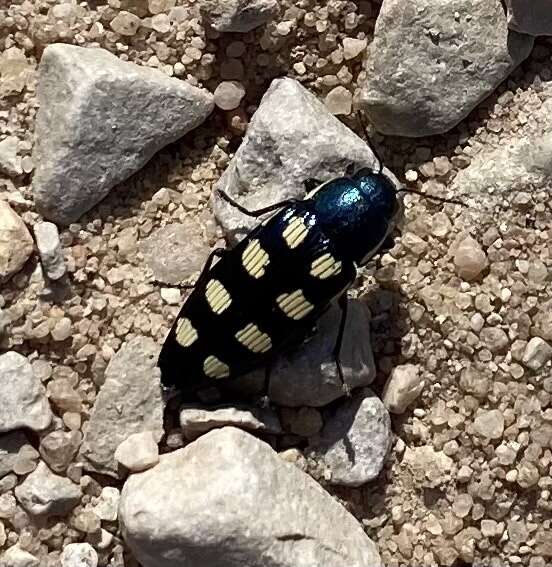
[{"x": 266, "y": 293}]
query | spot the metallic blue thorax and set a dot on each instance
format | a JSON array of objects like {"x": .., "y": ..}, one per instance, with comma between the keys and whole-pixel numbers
[{"x": 357, "y": 213}]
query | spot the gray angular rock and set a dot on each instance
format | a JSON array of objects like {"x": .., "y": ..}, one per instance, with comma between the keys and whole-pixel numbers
[
  {"x": 23, "y": 401},
  {"x": 228, "y": 500},
  {"x": 49, "y": 248},
  {"x": 100, "y": 120},
  {"x": 432, "y": 61},
  {"x": 10, "y": 162},
  {"x": 238, "y": 15},
  {"x": 10, "y": 444},
  {"x": 292, "y": 137},
  {"x": 533, "y": 18},
  {"x": 175, "y": 252},
  {"x": 308, "y": 376},
  {"x": 16, "y": 242},
  {"x": 129, "y": 402},
  {"x": 355, "y": 440},
  {"x": 46, "y": 493},
  {"x": 196, "y": 421}
]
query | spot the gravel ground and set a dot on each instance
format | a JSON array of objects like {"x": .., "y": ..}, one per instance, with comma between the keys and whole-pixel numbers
[{"x": 461, "y": 326}]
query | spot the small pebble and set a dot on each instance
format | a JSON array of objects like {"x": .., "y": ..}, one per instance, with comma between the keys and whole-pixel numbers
[
  {"x": 125, "y": 23},
  {"x": 138, "y": 452},
  {"x": 469, "y": 259},
  {"x": 339, "y": 101},
  {"x": 353, "y": 47},
  {"x": 403, "y": 387},
  {"x": 489, "y": 424},
  {"x": 229, "y": 94},
  {"x": 537, "y": 353}
]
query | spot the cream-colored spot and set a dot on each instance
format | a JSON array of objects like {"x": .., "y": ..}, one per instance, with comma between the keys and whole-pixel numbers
[
  {"x": 215, "y": 368},
  {"x": 185, "y": 333},
  {"x": 217, "y": 296},
  {"x": 325, "y": 266},
  {"x": 255, "y": 259},
  {"x": 294, "y": 304},
  {"x": 295, "y": 232},
  {"x": 253, "y": 338}
]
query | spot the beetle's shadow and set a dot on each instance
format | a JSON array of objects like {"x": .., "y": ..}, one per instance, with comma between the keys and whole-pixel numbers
[{"x": 390, "y": 323}]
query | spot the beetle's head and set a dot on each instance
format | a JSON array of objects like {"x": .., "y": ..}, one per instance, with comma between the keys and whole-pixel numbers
[{"x": 381, "y": 211}]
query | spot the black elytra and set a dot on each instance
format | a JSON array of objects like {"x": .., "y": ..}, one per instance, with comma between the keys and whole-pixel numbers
[{"x": 267, "y": 292}]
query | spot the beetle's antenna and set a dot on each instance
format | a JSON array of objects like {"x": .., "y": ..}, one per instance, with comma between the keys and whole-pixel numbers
[
  {"x": 364, "y": 128},
  {"x": 434, "y": 197}
]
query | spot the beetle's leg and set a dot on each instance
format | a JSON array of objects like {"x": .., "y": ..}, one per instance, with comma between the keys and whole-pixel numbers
[
  {"x": 342, "y": 302},
  {"x": 265, "y": 400},
  {"x": 258, "y": 212},
  {"x": 311, "y": 184}
]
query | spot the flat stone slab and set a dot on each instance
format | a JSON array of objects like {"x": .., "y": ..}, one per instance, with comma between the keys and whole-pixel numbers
[{"x": 129, "y": 402}]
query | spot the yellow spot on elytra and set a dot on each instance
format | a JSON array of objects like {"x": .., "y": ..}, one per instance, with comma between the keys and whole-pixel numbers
[
  {"x": 217, "y": 296},
  {"x": 294, "y": 304},
  {"x": 255, "y": 259},
  {"x": 295, "y": 232},
  {"x": 325, "y": 266},
  {"x": 253, "y": 338},
  {"x": 215, "y": 368},
  {"x": 185, "y": 332}
]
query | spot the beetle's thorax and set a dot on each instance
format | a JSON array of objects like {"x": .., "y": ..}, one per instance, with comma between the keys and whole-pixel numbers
[{"x": 357, "y": 213}]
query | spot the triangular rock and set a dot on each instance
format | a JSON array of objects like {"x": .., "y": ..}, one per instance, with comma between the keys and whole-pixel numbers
[
  {"x": 100, "y": 120},
  {"x": 292, "y": 136}
]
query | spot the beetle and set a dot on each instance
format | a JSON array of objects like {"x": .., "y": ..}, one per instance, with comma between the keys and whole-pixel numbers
[{"x": 266, "y": 293}]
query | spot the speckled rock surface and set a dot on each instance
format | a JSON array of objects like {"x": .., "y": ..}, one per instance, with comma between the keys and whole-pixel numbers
[
  {"x": 129, "y": 402},
  {"x": 204, "y": 497},
  {"x": 92, "y": 131},
  {"x": 417, "y": 84},
  {"x": 238, "y": 15},
  {"x": 355, "y": 440}
]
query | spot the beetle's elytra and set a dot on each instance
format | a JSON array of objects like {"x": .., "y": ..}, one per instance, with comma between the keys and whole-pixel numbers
[{"x": 266, "y": 292}]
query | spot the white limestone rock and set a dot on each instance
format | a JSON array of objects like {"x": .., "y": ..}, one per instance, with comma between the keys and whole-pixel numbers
[
  {"x": 291, "y": 137},
  {"x": 228, "y": 500}
]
